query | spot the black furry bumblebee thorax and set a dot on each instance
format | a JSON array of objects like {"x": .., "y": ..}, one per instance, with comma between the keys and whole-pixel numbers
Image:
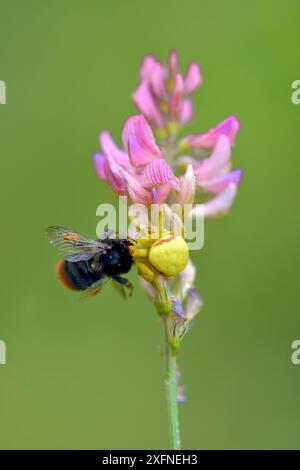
[{"x": 117, "y": 258}]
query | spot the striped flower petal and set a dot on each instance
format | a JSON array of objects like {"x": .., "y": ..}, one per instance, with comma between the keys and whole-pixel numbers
[
  {"x": 139, "y": 141},
  {"x": 115, "y": 175},
  {"x": 109, "y": 147},
  {"x": 159, "y": 172},
  {"x": 136, "y": 191}
]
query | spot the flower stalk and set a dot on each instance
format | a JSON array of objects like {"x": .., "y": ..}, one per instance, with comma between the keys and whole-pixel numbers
[{"x": 171, "y": 391}]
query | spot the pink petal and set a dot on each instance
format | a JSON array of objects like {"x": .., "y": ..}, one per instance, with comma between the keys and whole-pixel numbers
[
  {"x": 187, "y": 187},
  {"x": 99, "y": 161},
  {"x": 147, "y": 287},
  {"x": 157, "y": 81},
  {"x": 115, "y": 176},
  {"x": 194, "y": 304},
  {"x": 152, "y": 72},
  {"x": 173, "y": 64},
  {"x": 146, "y": 68},
  {"x": 139, "y": 141},
  {"x": 136, "y": 191},
  {"x": 217, "y": 163},
  {"x": 186, "y": 111},
  {"x": 109, "y": 147},
  {"x": 175, "y": 103},
  {"x": 217, "y": 185},
  {"x": 192, "y": 79},
  {"x": 229, "y": 127},
  {"x": 144, "y": 101},
  {"x": 158, "y": 172},
  {"x": 187, "y": 278},
  {"x": 163, "y": 192},
  {"x": 155, "y": 196},
  {"x": 221, "y": 204}
]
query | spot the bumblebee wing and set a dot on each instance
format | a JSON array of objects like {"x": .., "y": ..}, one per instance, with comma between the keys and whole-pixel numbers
[
  {"x": 72, "y": 246},
  {"x": 96, "y": 287}
]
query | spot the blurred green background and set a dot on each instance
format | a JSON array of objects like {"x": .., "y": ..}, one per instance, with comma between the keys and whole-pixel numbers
[{"x": 89, "y": 374}]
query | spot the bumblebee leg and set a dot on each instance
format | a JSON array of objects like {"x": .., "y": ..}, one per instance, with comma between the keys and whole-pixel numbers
[{"x": 125, "y": 284}]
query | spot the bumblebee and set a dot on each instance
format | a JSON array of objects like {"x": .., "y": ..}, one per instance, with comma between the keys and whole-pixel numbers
[{"x": 87, "y": 265}]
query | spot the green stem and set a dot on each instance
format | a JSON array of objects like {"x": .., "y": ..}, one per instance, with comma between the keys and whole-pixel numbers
[{"x": 171, "y": 388}]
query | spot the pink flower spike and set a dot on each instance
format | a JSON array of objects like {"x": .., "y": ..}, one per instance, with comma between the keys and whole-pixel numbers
[
  {"x": 192, "y": 79},
  {"x": 99, "y": 161},
  {"x": 144, "y": 101},
  {"x": 158, "y": 172},
  {"x": 217, "y": 185},
  {"x": 220, "y": 204},
  {"x": 217, "y": 163},
  {"x": 139, "y": 141},
  {"x": 163, "y": 95}
]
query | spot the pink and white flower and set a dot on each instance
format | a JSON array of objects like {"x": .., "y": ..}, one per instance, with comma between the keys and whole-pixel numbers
[
  {"x": 214, "y": 174},
  {"x": 138, "y": 168},
  {"x": 207, "y": 140}
]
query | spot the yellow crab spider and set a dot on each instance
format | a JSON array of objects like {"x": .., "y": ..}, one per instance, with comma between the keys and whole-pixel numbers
[{"x": 168, "y": 256}]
